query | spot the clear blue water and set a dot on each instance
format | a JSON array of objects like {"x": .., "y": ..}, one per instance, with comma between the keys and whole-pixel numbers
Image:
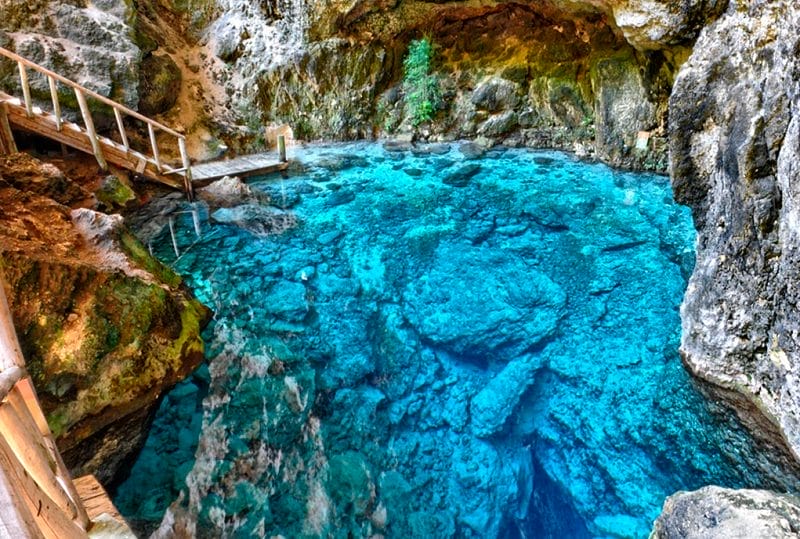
[{"x": 426, "y": 345}]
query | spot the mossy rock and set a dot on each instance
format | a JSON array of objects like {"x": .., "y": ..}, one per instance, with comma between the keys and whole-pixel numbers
[{"x": 159, "y": 84}]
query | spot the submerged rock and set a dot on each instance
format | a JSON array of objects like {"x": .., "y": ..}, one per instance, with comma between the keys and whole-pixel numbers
[
  {"x": 257, "y": 219},
  {"x": 719, "y": 513},
  {"x": 482, "y": 304}
]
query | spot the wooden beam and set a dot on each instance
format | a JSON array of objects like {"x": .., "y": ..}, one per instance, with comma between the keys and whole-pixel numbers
[{"x": 10, "y": 351}]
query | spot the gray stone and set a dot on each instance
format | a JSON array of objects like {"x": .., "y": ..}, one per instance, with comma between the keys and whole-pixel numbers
[
  {"x": 495, "y": 95},
  {"x": 735, "y": 156},
  {"x": 719, "y": 513}
]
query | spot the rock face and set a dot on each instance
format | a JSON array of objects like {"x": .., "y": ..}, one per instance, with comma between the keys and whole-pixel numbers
[
  {"x": 735, "y": 145},
  {"x": 91, "y": 44},
  {"x": 714, "y": 512},
  {"x": 104, "y": 327}
]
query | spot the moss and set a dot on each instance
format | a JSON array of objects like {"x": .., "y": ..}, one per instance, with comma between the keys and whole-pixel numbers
[{"x": 142, "y": 258}]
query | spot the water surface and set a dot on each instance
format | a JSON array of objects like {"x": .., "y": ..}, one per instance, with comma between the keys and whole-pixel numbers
[{"x": 432, "y": 344}]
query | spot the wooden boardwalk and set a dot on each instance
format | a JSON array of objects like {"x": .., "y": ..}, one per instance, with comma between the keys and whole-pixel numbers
[{"x": 244, "y": 166}]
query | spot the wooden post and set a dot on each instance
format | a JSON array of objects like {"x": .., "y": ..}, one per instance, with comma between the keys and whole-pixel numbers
[
  {"x": 282, "y": 148},
  {"x": 187, "y": 169},
  {"x": 122, "y": 134},
  {"x": 89, "y": 123},
  {"x": 172, "y": 235},
  {"x": 26, "y": 88},
  {"x": 7, "y": 144},
  {"x": 154, "y": 145},
  {"x": 56, "y": 104}
]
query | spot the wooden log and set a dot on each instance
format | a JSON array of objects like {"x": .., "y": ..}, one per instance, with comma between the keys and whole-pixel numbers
[
  {"x": 8, "y": 379},
  {"x": 6, "y": 136},
  {"x": 56, "y": 103},
  {"x": 187, "y": 168},
  {"x": 10, "y": 352},
  {"x": 123, "y": 135},
  {"x": 51, "y": 521},
  {"x": 90, "y": 131},
  {"x": 27, "y": 444}
]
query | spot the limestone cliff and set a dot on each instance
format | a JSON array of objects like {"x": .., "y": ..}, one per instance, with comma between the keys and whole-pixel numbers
[
  {"x": 104, "y": 327},
  {"x": 735, "y": 144}
]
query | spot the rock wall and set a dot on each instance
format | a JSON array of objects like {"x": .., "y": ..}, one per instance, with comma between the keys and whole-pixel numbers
[
  {"x": 105, "y": 328},
  {"x": 585, "y": 76},
  {"x": 735, "y": 146}
]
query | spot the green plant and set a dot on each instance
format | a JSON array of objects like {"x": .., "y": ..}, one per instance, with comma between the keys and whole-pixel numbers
[{"x": 422, "y": 94}]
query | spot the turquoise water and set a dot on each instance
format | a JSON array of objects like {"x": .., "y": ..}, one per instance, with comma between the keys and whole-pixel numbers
[{"x": 434, "y": 344}]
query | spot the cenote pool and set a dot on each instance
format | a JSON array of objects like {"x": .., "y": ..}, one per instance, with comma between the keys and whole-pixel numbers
[{"x": 436, "y": 343}]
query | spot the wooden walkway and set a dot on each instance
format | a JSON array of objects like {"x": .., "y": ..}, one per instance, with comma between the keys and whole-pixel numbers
[
  {"x": 244, "y": 166},
  {"x": 51, "y": 124}
]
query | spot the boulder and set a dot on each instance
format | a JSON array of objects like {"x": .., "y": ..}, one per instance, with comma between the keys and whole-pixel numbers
[{"x": 720, "y": 513}]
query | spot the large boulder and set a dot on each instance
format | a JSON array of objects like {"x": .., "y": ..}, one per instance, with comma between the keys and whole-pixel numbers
[
  {"x": 520, "y": 306},
  {"x": 719, "y": 513}
]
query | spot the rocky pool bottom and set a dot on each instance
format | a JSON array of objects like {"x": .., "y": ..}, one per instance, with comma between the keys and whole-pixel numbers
[{"x": 435, "y": 342}]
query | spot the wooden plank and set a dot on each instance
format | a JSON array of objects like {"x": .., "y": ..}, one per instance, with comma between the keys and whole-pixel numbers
[
  {"x": 95, "y": 498},
  {"x": 56, "y": 103},
  {"x": 26, "y": 402},
  {"x": 17, "y": 522},
  {"x": 52, "y": 523},
  {"x": 10, "y": 352}
]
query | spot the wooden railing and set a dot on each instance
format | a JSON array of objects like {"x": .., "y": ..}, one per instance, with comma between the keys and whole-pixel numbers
[
  {"x": 37, "y": 495},
  {"x": 120, "y": 111}
]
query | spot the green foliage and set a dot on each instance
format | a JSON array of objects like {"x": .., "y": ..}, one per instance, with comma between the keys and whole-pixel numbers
[{"x": 422, "y": 94}]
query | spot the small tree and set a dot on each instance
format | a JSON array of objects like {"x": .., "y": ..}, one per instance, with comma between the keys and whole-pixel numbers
[{"x": 422, "y": 95}]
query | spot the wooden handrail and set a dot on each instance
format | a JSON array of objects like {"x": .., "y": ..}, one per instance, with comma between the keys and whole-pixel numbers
[
  {"x": 129, "y": 112},
  {"x": 81, "y": 93}
]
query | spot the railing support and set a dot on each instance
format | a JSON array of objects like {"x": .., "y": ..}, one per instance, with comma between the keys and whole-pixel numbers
[
  {"x": 26, "y": 88},
  {"x": 187, "y": 169},
  {"x": 121, "y": 126},
  {"x": 282, "y": 148},
  {"x": 56, "y": 104},
  {"x": 90, "y": 132}
]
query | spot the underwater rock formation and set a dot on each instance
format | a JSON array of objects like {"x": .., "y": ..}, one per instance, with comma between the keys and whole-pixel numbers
[
  {"x": 735, "y": 146},
  {"x": 104, "y": 327},
  {"x": 716, "y": 513}
]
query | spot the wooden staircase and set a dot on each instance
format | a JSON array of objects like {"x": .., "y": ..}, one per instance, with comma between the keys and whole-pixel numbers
[{"x": 22, "y": 113}]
